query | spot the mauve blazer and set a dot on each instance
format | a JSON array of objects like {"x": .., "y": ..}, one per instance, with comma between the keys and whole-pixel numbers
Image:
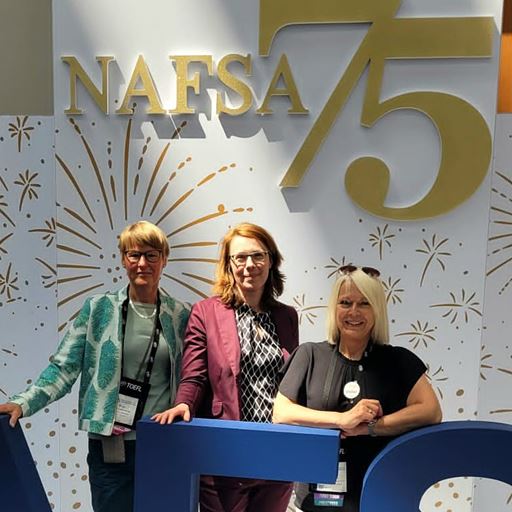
[{"x": 211, "y": 358}]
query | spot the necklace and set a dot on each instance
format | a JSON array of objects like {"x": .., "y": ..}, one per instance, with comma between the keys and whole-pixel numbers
[{"x": 141, "y": 315}]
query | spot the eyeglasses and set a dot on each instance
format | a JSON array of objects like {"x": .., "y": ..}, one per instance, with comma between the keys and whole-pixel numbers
[
  {"x": 240, "y": 259},
  {"x": 151, "y": 256},
  {"x": 348, "y": 269}
]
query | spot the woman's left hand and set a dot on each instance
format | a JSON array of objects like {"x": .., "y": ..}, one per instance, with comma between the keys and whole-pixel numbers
[{"x": 364, "y": 411}]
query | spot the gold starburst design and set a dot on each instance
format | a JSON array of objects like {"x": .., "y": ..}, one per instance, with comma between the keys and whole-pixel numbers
[
  {"x": 500, "y": 230},
  {"x": 335, "y": 266},
  {"x": 3, "y": 210},
  {"x": 465, "y": 306},
  {"x": 305, "y": 311},
  {"x": 2, "y": 241},
  {"x": 49, "y": 277},
  {"x": 9, "y": 353},
  {"x": 8, "y": 283},
  {"x": 485, "y": 364},
  {"x": 435, "y": 377},
  {"x": 20, "y": 130},
  {"x": 381, "y": 239},
  {"x": 27, "y": 181},
  {"x": 485, "y": 358},
  {"x": 433, "y": 251},
  {"x": 419, "y": 334},
  {"x": 124, "y": 186},
  {"x": 505, "y": 410},
  {"x": 393, "y": 290},
  {"x": 48, "y": 232}
]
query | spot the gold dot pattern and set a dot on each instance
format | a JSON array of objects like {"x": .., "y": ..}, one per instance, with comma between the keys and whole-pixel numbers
[{"x": 454, "y": 495}]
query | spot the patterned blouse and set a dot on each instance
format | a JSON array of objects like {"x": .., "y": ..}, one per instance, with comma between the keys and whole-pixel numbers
[{"x": 260, "y": 361}]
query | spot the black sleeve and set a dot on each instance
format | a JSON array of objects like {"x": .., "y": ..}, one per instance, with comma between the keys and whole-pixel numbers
[
  {"x": 295, "y": 374},
  {"x": 410, "y": 368}
]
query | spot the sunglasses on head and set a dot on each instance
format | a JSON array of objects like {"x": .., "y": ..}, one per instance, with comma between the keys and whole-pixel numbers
[{"x": 348, "y": 269}]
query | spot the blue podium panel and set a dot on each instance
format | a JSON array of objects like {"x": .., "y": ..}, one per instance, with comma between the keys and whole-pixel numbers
[
  {"x": 170, "y": 458},
  {"x": 20, "y": 486},
  {"x": 408, "y": 466}
]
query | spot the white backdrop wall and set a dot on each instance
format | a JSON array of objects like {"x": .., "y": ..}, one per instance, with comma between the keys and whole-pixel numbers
[{"x": 69, "y": 184}]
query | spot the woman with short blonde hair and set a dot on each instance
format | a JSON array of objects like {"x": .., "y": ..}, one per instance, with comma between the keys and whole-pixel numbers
[
  {"x": 143, "y": 233},
  {"x": 109, "y": 346}
]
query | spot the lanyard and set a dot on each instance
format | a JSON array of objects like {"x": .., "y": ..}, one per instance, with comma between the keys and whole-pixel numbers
[{"x": 153, "y": 340}]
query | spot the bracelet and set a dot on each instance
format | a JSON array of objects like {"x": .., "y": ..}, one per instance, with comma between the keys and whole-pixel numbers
[{"x": 371, "y": 428}]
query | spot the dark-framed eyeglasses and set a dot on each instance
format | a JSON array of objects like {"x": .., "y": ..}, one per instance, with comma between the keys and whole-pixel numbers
[
  {"x": 151, "y": 256},
  {"x": 257, "y": 257},
  {"x": 348, "y": 269}
]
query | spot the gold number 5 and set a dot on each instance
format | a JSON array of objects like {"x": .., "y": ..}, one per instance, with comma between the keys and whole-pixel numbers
[{"x": 464, "y": 134}]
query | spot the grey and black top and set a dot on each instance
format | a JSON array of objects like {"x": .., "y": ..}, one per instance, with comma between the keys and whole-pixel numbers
[{"x": 385, "y": 373}]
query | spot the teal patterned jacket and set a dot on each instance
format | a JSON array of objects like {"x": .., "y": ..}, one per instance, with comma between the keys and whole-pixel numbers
[{"x": 92, "y": 348}]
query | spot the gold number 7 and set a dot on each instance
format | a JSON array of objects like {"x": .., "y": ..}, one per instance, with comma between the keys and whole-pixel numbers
[{"x": 464, "y": 135}]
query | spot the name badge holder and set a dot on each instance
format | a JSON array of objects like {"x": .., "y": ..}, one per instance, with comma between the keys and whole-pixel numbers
[
  {"x": 132, "y": 399},
  {"x": 332, "y": 495}
]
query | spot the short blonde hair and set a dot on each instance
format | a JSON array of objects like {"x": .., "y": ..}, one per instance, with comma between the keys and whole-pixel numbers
[
  {"x": 373, "y": 290},
  {"x": 225, "y": 287},
  {"x": 143, "y": 233}
]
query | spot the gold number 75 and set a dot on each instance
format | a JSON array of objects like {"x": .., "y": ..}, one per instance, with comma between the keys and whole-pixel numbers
[{"x": 464, "y": 135}]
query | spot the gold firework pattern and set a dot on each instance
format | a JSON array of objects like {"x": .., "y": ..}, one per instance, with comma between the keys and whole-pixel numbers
[
  {"x": 381, "y": 239},
  {"x": 305, "y": 311},
  {"x": 91, "y": 216},
  {"x": 485, "y": 364},
  {"x": 8, "y": 353},
  {"x": 504, "y": 410},
  {"x": 4, "y": 239},
  {"x": 29, "y": 187},
  {"x": 485, "y": 359},
  {"x": 3, "y": 210},
  {"x": 465, "y": 306},
  {"x": 433, "y": 249},
  {"x": 393, "y": 290},
  {"x": 9, "y": 284},
  {"x": 420, "y": 334},
  {"x": 20, "y": 130},
  {"x": 48, "y": 232},
  {"x": 49, "y": 276},
  {"x": 436, "y": 378},
  {"x": 334, "y": 266},
  {"x": 500, "y": 244}
]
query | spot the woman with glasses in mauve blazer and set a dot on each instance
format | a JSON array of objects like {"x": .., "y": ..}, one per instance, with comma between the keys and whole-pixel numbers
[{"x": 236, "y": 343}]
